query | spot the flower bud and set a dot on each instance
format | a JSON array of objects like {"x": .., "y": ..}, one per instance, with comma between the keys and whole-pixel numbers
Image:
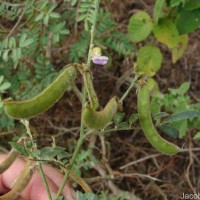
[{"x": 96, "y": 51}]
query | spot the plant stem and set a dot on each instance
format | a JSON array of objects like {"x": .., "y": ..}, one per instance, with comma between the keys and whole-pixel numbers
[
  {"x": 92, "y": 32},
  {"x": 44, "y": 180},
  {"x": 82, "y": 128},
  {"x": 26, "y": 124},
  {"x": 130, "y": 88}
]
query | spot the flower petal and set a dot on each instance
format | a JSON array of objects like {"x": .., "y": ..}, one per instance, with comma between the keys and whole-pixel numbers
[{"x": 100, "y": 60}]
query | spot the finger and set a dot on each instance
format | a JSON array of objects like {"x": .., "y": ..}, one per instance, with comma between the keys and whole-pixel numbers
[
  {"x": 3, "y": 188},
  {"x": 35, "y": 188},
  {"x": 57, "y": 178},
  {"x": 54, "y": 177}
]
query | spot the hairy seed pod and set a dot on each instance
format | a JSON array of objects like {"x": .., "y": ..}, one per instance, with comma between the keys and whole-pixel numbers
[
  {"x": 87, "y": 78},
  {"x": 20, "y": 182},
  {"x": 99, "y": 119},
  {"x": 7, "y": 162},
  {"x": 78, "y": 180},
  {"x": 147, "y": 126},
  {"x": 44, "y": 100}
]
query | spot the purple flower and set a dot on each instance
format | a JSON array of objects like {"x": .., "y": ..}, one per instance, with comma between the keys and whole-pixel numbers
[{"x": 100, "y": 60}]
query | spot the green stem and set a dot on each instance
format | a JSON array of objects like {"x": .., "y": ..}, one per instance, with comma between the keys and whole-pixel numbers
[
  {"x": 92, "y": 32},
  {"x": 26, "y": 124},
  {"x": 130, "y": 88},
  {"x": 82, "y": 128},
  {"x": 44, "y": 180}
]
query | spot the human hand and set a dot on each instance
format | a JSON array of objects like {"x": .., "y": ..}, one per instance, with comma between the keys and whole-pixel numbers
[{"x": 35, "y": 190}]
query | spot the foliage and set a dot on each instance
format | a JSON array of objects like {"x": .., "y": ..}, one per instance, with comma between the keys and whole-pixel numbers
[
  {"x": 4, "y": 121},
  {"x": 149, "y": 60},
  {"x": 140, "y": 26},
  {"x": 171, "y": 23},
  {"x": 102, "y": 196},
  {"x": 84, "y": 160},
  {"x": 86, "y": 12},
  {"x": 116, "y": 41},
  {"x": 179, "y": 103}
]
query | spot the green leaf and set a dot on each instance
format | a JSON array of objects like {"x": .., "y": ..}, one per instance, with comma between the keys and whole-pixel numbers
[
  {"x": 160, "y": 115},
  {"x": 174, "y": 3},
  {"x": 179, "y": 50},
  {"x": 181, "y": 126},
  {"x": 19, "y": 147},
  {"x": 123, "y": 125},
  {"x": 5, "y": 55},
  {"x": 4, "y": 86},
  {"x": 86, "y": 25},
  {"x": 171, "y": 131},
  {"x": 12, "y": 43},
  {"x": 90, "y": 196},
  {"x": 191, "y": 4},
  {"x": 27, "y": 42},
  {"x": 64, "y": 32},
  {"x": 182, "y": 116},
  {"x": 152, "y": 85},
  {"x": 166, "y": 32},
  {"x": 55, "y": 15},
  {"x": 158, "y": 10},
  {"x": 5, "y": 43},
  {"x": 39, "y": 17},
  {"x": 73, "y": 2},
  {"x": 86, "y": 12},
  {"x": 16, "y": 54},
  {"x": 187, "y": 21},
  {"x": 1, "y": 78},
  {"x": 81, "y": 17},
  {"x": 60, "y": 197},
  {"x": 181, "y": 90},
  {"x": 43, "y": 4},
  {"x": 46, "y": 20},
  {"x": 139, "y": 27},
  {"x": 118, "y": 118},
  {"x": 80, "y": 196},
  {"x": 197, "y": 136},
  {"x": 133, "y": 118},
  {"x": 52, "y": 153},
  {"x": 86, "y": 196},
  {"x": 22, "y": 39},
  {"x": 149, "y": 60}
]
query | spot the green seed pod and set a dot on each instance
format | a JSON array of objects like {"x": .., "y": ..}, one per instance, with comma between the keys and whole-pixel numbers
[
  {"x": 147, "y": 126},
  {"x": 7, "y": 162},
  {"x": 43, "y": 101},
  {"x": 99, "y": 119},
  {"x": 20, "y": 182},
  {"x": 87, "y": 78}
]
